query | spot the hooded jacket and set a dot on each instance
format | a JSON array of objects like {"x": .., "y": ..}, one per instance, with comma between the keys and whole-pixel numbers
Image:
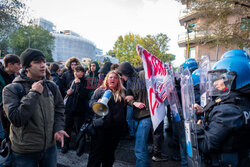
[
  {"x": 136, "y": 87},
  {"x": 92, "y": 79},
  {"x": 68, "y": 76},
  {"x": 106, "y": 68},
  {"x": 34, "y": 117},
  {"x": 5, "y": 79}
]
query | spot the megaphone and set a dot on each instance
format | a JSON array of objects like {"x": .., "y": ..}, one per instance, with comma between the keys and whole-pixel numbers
[{"x": 101, "y": 107}]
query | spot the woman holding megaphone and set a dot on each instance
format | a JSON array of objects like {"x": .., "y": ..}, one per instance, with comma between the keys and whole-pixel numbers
[{"x": 109, "y": 106}]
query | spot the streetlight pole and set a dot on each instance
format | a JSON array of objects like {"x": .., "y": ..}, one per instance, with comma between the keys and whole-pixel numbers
[
  {"x": 26, "y": 33},
  {"x": 29, "y": 41}
]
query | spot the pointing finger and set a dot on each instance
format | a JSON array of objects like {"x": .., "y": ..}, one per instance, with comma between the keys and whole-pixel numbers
[
  {"x": 65, "y": 134},
  {"x": 62, "y": 141}
]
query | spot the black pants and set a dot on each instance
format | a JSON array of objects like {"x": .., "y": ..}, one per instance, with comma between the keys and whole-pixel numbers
[
  {"x": 72, "y": 122},
  {"x": 103, "y": 146},
  {"x": 158, "y": 140}
]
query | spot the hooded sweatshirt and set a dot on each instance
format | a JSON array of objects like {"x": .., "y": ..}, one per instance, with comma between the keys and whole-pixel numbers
[{"x": 92, "y": 79}]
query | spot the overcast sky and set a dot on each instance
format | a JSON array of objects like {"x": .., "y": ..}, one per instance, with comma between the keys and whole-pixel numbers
[{"x": 102, "y": 21}]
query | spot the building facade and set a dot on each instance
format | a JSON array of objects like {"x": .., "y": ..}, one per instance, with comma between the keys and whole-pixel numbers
[
  {"x": 193, "y": 41},
  {"x": 47, "y": 25},
  {"x": 69, "y": 44},
  {"x": 72, "y": 45}
]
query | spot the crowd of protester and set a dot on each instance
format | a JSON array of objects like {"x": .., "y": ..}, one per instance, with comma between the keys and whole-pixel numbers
[{"x": 43, "y": 105}]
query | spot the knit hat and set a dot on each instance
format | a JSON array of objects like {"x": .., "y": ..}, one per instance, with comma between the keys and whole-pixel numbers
[{"x": 29, "y": 55}]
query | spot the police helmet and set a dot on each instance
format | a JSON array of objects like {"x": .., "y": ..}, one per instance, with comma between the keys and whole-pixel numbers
[
  {"x": 233, "y": 68},
  {"x": 4, "y": 151},
  {"x": 196, "y": 77},
  {"x": 190, "y": 63}
]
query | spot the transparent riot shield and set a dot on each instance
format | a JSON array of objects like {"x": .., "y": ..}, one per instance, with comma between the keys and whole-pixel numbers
[
  {"x": 188, "y": 101},
  {"x": 173, "y": 99},
  {"x": 204, "y": 67}
]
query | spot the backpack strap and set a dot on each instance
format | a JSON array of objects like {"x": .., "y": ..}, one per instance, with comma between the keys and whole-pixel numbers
[
  {"x": 19, "y": 89},
  {"x": 52, "y": 87}
]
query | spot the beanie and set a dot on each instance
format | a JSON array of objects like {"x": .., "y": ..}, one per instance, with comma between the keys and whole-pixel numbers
[{"x": 29, "y": 55}]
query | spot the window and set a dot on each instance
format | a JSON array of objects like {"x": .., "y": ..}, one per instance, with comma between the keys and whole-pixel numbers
[
  {"x": 245, "y": 23},
  {"x": 191, "y": 27},
  {"x": 192, "y": 52}
]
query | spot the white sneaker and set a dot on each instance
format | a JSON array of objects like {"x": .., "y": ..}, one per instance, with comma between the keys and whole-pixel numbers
[{"x": 159, "y": 159}]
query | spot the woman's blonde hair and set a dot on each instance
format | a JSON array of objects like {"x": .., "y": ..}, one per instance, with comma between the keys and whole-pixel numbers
[{"x": 119, "y": 92}]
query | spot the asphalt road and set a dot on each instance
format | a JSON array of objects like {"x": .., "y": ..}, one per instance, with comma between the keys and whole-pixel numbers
[{"x": 124, "y": 155}]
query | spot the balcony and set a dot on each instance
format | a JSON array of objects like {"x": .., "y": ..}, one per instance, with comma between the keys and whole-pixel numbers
[
  {"x": 187, "y": 15},
  {"x": 193, "y": 38}
]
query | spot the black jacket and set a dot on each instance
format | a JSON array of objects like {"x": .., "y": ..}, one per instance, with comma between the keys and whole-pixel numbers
[
  {"x": 77, "y": 102},
  {"x": 56, "y": 78},
  {"x": 226, "y": 130},
  {"x": 67, "y": 78},
  {"x": 5, "y": 80},
  {"x": 197, "y": 94},
  {"x": 116, "y": 116}
]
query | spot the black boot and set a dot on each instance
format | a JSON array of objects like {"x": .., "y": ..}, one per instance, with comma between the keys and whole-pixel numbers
[{"x": 65, "y": 148}]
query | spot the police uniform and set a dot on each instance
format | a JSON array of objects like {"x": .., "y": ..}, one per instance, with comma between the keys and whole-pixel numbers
[{"x": 226, "y": 133}]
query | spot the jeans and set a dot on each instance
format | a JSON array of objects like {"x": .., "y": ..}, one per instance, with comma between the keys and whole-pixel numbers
[
  {"x": 141, "y": 138},
  {"x": 2, "y": 133},
  {"x": 130, "y": 121},
  {"x": 41, "y": 159}
]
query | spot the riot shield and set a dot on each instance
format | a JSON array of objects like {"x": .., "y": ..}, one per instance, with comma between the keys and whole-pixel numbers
[
  {"x": 204, "y": 67},
  {"x": 173, "y": 99},
  {"x": 188, "y": 101}
]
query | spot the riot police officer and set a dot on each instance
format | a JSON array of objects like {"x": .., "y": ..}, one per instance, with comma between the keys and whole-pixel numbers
[
  {"x": 196, "y": 84},
  {"x": 191, "y": 64},
  {"x": 226, "y": 130}
]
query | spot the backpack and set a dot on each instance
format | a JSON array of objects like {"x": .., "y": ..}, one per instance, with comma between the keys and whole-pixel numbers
[{"x": 20, "y": 92}]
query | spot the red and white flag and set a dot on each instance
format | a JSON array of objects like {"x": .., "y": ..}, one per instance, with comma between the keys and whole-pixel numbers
[{"x": 156, "y": 82}]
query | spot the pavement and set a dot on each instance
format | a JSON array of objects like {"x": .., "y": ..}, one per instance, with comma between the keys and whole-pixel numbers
[{"x": 124, "y": 155}]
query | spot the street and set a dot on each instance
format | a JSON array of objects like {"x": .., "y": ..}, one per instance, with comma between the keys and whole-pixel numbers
[{"x": 124, "y": 156}]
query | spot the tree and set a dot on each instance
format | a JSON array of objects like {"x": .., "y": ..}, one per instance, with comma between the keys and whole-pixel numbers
[
  {"x": 33, "y": 37},
  {"x": 158, "y": 46},
  {"x": 125, "y": 47},
  {"x": 12, "y": 14},
  {"x": 218, "y": 28},
  {"x": 4, "y": 44}
]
